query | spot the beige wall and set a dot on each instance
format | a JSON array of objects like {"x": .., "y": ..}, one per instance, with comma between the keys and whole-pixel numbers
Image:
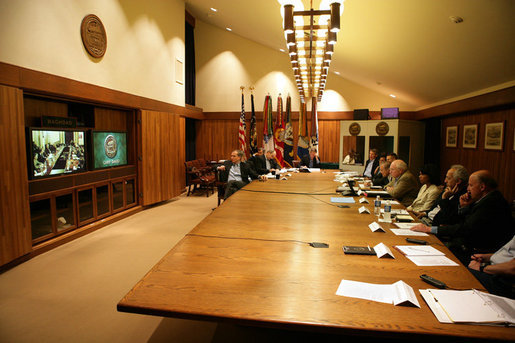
[
  {"x": 226, "y": 61},
  {"x": 144, "y": 38}
]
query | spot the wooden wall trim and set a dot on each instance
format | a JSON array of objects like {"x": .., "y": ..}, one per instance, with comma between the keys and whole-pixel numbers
[
  {"x": 189, "y": 18},
  {"x": 497, "y": 98},
  {"x": 33, "y": 81},
  {"x": 322, "y": 115}
]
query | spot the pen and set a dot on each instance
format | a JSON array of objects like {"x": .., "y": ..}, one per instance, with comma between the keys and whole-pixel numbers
[{"x": 369, "y": 248}]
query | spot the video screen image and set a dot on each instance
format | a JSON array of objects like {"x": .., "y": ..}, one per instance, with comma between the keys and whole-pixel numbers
[
  {"x": 57, "y": 152},
  {"x": 109, "y": 149}
]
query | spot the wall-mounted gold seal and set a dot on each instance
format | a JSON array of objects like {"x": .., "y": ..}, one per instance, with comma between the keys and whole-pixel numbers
[
  {"x": 354, "y": 129},
  {"x": 382, "y": 128},
  {"x": 93, "y": 35}
]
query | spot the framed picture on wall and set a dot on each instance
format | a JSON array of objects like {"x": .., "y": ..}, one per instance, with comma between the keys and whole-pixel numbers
[
  {"x": 451, "y": 136},
  {"x": 470, "y": 136},
  {"x": 494, "y": 136}
]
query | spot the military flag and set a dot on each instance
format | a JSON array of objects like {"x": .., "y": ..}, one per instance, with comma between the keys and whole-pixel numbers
[
  {"x": 288, "y": 136},
  {"x": 279, "y": 132},
  {"x": 314, "y": 125},
  {"x": 253, "y": 128},
  {"x": 268, "y": 134},
  {"x": 303, "y": 142}
]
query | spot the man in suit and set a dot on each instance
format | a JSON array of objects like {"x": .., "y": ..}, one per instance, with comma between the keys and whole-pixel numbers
[
  {"x": 391, "y": 157},
  {"x": 404, "y": 185},
  {"x": 310, "y": 161},
  {"x": 372, "y": 163},
  {"x": 383, "y": 178},
  {"x": 264, "y": 164},
  {"x": 236, "y": 173},
  {"x": 445, "y": 210},
  {"x": 486, "y": 224}
]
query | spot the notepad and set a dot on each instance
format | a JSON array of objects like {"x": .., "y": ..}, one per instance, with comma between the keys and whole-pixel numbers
[
  {"x": 470, "y": 306},
  {"x": 407, "y": 232},
  {"x": 419, "y": 250}
]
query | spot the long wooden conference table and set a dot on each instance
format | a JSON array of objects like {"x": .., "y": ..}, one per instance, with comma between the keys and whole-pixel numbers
[{"x": 249, "y": 263}]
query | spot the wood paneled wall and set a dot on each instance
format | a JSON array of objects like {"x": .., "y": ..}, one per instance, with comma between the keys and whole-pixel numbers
[
  {"x": 15, "y": 239},
  {"x": 163, "y": 153},
  {"x": 500, "y": 163},
  {"x": 217, "y": 138}
]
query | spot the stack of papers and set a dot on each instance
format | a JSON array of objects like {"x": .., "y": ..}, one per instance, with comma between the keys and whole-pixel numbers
[
  {"x": 425, "y": 255},
  {"x": 469, "y": 306},
  {"x": 399, "y": 293}
]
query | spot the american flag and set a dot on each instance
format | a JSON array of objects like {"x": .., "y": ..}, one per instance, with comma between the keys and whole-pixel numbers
[{"x": 242, "y": 129}]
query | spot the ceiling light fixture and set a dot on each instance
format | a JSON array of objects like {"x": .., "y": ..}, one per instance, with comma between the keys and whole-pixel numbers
[
  {"x": 314, "y": 43},
  {"x": 214, "y": 9},
  {"x": 228, "y": 29}
]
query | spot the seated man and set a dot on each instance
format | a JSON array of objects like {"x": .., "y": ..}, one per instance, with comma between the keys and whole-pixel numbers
[
  {"x": 486, "y": 224},
  {"x": 264, "y": 164},
  {"x": 404, "y": 186},
  {"x": 445, "y": 210},
  {"x": 312, "y": 160},
  {"x": 496, "y": 271},
  {"x": 236, "y": 173},
  {"x": 372, "y": 163},
  {"x": 391, "y": 157},
  {"x": 384, "y": 177}
]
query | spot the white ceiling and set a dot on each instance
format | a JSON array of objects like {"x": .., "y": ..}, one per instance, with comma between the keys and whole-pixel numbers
[{"x": 409, "y": 48}]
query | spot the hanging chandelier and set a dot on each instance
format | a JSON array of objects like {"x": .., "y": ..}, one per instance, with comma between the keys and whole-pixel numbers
[{"x": 311, "y": 46}]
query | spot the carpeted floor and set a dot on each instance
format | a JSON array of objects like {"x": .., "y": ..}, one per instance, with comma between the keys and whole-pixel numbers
[{"x": 70, "y": 294}]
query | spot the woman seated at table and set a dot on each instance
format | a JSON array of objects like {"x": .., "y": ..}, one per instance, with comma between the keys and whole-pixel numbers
[{"x": 429, "y": 192}]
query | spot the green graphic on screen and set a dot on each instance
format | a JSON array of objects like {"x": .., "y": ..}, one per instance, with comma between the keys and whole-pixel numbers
[{"x": 109, "y": 149}]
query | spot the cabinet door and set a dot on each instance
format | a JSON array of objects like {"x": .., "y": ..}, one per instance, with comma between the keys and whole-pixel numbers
[
  {"x": 162, "y": 156},
  {"x": 15, "y": 232}
]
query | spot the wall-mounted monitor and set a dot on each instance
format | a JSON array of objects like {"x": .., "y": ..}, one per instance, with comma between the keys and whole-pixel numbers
[
  {"x": 390, "y": 113},
  {"x": 56, "y": 152},
  {"x": 361, "y": 114},
  {"x": 109, "y": 149}
]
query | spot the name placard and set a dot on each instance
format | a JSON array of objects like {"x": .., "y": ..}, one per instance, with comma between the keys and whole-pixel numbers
[{"x": 48, "y": 121}]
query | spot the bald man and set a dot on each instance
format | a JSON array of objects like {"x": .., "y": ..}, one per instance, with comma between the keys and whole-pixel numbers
[
  {"x": 487, "y": 223},
  {"x": 404, "y": 185}
]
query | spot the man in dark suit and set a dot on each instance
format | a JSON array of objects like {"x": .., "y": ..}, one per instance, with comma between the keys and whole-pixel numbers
[
  {"x": 383, "y": 178},
  {"x": 236, "y": 173},
  {"x": 372, "y": 163},
  {"x": 252, "y": 159},
  {"x": 266, "y": 163},
  {"x": 310, "y": 161},
  {"x": 486, "y": 225},
  {"x": 445, "y": 210}
]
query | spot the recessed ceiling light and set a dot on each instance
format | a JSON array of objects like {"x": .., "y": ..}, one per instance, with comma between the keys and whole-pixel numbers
[
  {"x": 228, "y": 29},
  {"x": 393, "y": 96},
  {"x": 213, "y": 9},
  {"x": 281, "y": 50},
  {"x": 337, "y": 72}
]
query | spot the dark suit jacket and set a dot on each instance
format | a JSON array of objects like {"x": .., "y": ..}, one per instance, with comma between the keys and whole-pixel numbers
[
  {"x": 246, "y": 171},
  {"x": 259, "y": 164},
  {"x": 486, "y": 226},
  {"x": 374, "y": 166},
  {"x": 380, "y": 180},
  {"x": 304, "y": 161},
  {"x": 448, "y": 213}
]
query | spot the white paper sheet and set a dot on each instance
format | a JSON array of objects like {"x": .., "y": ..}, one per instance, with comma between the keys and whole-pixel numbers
[
  {"x": 345, "y": 200},
  {"x": 408, "y": 232},
  {"x": 406, "y": 225},
  {"x": 430, "y": 261},
  {"x": 398, "y": 293},
  {"x": 419, "y": 250}
]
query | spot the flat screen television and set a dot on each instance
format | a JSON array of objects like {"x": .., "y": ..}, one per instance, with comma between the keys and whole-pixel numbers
[
  {"x": 109, "y": 149},
  {"x": 56, "y": 152},
  {"x": 390, "y": 113}
]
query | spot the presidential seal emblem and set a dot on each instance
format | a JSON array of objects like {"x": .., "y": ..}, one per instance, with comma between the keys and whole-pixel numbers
[
  {"x": 93, "y": 35},
  {"x": 110, "y": 146}
]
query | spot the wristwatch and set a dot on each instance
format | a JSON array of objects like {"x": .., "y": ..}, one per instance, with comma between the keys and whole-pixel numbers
[{"x": 482, "y": 266}]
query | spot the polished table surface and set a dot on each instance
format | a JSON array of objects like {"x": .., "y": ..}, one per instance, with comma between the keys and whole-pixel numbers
[{"x": 248, "y": 262}]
